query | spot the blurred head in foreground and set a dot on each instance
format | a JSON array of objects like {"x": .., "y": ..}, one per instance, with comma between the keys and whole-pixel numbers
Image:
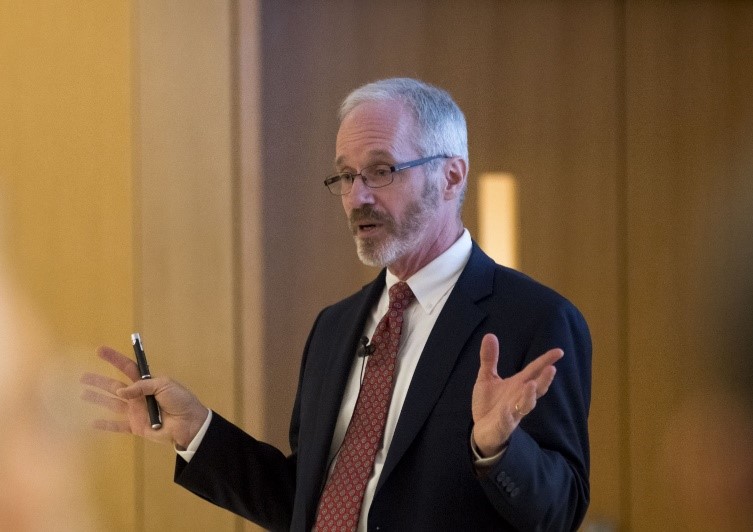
[{"x": 43, "y": 487}]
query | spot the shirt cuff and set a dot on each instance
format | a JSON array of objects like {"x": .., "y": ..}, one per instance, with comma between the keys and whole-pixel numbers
[
  {"x": 481, "y": 463},
  {"x": 194, "y": 445}
]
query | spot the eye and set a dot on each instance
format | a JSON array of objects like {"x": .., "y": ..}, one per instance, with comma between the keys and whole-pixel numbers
[{"x": 380, "y": 171}]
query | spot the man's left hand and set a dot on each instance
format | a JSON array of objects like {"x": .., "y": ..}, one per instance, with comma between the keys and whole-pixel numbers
[{"x": 499, "y": 404}]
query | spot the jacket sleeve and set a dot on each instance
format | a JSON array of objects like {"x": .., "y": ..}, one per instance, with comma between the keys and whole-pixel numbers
[
  {"x": 541, "y": 481},
  {"x": 241, "y": 474}
]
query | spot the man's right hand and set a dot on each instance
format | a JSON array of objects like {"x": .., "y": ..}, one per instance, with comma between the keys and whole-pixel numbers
[{"x": 182, "y": 413}]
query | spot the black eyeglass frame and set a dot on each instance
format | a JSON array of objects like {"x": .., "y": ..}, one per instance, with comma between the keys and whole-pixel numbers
[{"x": 393, "y": 170}]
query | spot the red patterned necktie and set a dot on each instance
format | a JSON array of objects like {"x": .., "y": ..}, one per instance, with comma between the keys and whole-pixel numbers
[{"x": 340, "y": 503}]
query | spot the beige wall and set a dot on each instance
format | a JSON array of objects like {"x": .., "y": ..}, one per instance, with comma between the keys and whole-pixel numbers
[
  {"x": 185, "y": 257},
  {"x": 66, "y": 199},
  {"x": 161, "y": 166}
]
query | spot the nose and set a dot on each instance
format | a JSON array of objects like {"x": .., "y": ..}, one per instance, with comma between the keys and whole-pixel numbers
[{"x": 359, "y": 195}]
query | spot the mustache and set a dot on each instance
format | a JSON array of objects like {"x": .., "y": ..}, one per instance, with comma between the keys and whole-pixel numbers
[{"x": 369, "y": 214}]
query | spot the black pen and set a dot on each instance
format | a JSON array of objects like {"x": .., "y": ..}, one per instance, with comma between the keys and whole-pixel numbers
[{"x": 151, "y": 403}]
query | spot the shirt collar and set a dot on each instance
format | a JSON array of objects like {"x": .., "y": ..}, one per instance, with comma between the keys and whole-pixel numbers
[{"x": 433, "y": 281}]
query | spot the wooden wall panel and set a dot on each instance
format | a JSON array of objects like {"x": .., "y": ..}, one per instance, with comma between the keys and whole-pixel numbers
[
  {"x": 688, "y": 74},
  {"x": 538, "y": 82}
]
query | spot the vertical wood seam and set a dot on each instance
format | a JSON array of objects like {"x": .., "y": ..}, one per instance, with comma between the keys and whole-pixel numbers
[
  {"x": 623, "y": 264},
  {"x": 137, "y": 244},
  {"x": 236, "y": 219}
]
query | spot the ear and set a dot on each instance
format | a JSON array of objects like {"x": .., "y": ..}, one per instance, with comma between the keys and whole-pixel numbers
[{"x": 455, "y": 174}]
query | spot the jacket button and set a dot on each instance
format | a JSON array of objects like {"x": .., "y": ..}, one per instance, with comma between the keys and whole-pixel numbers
[{"x": 501, "y": 477}]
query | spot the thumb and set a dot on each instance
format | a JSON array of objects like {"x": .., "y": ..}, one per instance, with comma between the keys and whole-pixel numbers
[
  {"x": 489, "y": 355},
  {"x": 138, "y": 389}
]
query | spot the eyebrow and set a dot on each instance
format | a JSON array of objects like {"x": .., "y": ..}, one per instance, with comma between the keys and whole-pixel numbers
[{"x": 374, "y": 154}]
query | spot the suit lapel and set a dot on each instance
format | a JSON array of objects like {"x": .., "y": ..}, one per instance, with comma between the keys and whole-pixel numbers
[{"x": 459, "y": 318}]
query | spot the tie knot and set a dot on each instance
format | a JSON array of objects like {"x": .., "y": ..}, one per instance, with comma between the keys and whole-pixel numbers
[{"x": 401, "y": 295}]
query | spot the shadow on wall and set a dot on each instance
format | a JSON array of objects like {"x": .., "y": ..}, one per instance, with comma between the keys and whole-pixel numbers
[{"x": 707, "y": 445}]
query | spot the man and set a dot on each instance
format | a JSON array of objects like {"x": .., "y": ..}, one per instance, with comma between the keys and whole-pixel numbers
[{"x": 414, "y": 429}]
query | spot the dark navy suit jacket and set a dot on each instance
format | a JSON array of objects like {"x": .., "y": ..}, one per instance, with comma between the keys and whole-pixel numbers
[{"x": 428, "y": 481}]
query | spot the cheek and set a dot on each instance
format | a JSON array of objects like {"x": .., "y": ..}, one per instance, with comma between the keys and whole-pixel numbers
[
  {"x": 394, "y": 208},
  {"x": 347, "y": 207}
]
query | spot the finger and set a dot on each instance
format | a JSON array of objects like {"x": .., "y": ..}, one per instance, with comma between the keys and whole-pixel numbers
[
  {"x": 111, "y": 403},
  {"x": 111, "y": 425},
  {"x": 544, "y": 380},
  {"x": 534, "y": 390},
  {"x": 103, "y": 383},
  {"x": 489, "y": 356},
  {"x": 534, "y": 368},
  {"x": 120, "y": 361},
  {"x": 139, "y": 389},
  {"x": 527, "y": 401}
]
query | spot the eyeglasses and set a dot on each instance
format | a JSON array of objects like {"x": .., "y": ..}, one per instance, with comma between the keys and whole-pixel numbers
[{"x": 374, "y": 176}]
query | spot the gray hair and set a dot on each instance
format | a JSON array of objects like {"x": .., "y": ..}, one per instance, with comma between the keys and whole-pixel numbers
[{"x": 440, "y": 124}]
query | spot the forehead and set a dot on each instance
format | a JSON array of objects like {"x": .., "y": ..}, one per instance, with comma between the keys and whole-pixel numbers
[{"x": 375, "y": 129}]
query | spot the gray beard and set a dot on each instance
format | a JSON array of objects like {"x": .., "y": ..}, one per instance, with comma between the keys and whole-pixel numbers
[{"x": 401, "y": 238}]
